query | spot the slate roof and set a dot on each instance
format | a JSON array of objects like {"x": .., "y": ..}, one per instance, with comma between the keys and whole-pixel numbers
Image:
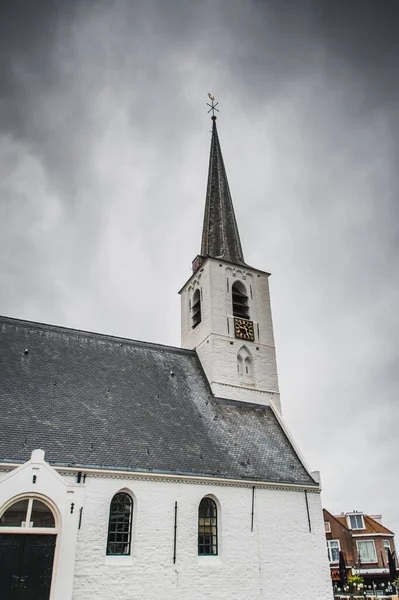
[
  {"x": 220, "y": 236},
  {"x": 95, "y": 400}
]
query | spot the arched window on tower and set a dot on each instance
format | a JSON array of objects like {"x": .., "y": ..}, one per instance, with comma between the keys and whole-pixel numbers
[
  {"x": 196, "y": 309},
  {"x": 120, "y": 524},
  {"x": 240, "y": 300},
  {"x": 207, "y": 527}
]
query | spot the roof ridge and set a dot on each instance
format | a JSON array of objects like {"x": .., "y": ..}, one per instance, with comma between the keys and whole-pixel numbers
[{"x": 111, "y": 338}]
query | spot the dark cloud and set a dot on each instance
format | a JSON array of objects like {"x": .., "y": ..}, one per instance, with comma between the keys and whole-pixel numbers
[{"x": 104, "y": 144}]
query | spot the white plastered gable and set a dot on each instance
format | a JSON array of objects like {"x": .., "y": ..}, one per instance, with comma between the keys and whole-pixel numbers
[{"x": 37, "y": 478}]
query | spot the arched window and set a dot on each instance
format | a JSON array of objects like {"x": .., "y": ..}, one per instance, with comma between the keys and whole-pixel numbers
[
  {"x": 245, "y": 364},
  {"x": 207, "y": 527},
  {"x": 248, "y": 367},
  {"x": 196, "y": 309},
  {"x": 28, "y": 513},
  {"x": 240, "y": 300},
  {"x": 120, "y": 524}
]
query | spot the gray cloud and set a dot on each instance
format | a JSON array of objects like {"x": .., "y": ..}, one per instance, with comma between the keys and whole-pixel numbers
[{"x": 104, "y": 142}]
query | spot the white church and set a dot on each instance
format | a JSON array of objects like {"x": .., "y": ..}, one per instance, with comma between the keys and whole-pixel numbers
[{"x": 136, "y": 471}]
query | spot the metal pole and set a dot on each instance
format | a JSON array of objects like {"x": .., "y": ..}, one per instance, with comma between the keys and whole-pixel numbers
[
  {"x": 307, "y": 508},
  {"x": 252, "y": 512},
  {"x": 175, "y": 535}
]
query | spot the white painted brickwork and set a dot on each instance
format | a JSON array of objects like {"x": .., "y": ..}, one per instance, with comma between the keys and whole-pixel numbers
[
  {"x": 214, "y": 338},
  {"x": 278, "y": 559},
  {"x": 262, "y": 564}
]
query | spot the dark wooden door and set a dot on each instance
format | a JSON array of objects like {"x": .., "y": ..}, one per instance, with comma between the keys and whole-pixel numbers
[{"x": 26, "y": 565}]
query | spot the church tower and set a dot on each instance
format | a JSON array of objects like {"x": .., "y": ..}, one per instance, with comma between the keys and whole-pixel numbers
[{"x": 225, "y": 305}]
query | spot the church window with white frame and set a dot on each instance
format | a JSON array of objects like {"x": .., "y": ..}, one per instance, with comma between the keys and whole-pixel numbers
[
  {"x": 28, "y": 513},
  {"x": 120, "y": 525}
]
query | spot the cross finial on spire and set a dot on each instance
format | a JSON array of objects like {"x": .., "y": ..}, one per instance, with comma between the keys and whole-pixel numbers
[{"x": 212, "y": 107}]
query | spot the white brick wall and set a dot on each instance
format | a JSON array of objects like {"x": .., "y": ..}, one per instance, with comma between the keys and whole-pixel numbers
[
  {"x": 214, "y": 338},
  {"x": 280, "y": 558}
]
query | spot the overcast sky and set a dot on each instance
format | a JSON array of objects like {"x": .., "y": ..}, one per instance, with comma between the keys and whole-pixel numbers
[{"x": 104, "y": 147}]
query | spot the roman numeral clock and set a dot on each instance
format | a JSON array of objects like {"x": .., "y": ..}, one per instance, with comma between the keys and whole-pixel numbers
[{"x": 244, "y": 329}]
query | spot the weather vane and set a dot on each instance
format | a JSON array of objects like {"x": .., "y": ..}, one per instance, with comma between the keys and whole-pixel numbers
[{"x": 212, "y": 106}]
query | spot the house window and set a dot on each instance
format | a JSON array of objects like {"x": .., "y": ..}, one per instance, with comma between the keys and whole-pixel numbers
[
  {"x": 120, "y": 525},
  {"x": 333, "y": 549},
  {"x": 356, "y": 522},
  {"x": 240, "y": 300},
  {"x": 196, "y": 309},
  {"x": 366, "y": 550},
  {"x": 327, "y": 526},
  {"x": 207, "y": 527},
  {"x": 387, "y": 546}
]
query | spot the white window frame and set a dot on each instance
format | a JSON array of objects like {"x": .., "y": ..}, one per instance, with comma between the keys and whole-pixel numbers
[
  {"x": 386, "y": 545},
  {"x": 27, "y": 525},
  {"x": 335, "y": 562},
  {"x": 327, "y": 526},
  {"x": 371, "y": 562},
  {"x": 348, "y": 520}
]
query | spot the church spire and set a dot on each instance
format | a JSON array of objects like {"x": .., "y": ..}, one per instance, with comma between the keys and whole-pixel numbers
[{"x": 220, "y": 237}]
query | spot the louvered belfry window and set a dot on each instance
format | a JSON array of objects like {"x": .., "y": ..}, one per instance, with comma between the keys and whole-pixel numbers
[
  {"x": 120, "y": 525},
  {"x": 240, "y": 301},
  {"x": 207, "y": 527},
  {"x": 196, "y": 310}
]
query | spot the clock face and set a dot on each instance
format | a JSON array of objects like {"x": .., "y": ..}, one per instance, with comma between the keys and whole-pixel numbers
[{"x": 244, "y": 329}]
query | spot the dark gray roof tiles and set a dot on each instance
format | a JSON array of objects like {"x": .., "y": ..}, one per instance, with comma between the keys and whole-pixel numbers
[
  {"x": 220, "y": 236},
  {"x": 90, "y": 399}
]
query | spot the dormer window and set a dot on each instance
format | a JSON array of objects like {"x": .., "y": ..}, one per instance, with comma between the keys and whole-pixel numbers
[
  {"x": 356, "y": 521},
  {"x": 196, "y": 309},
  {"x": 240, "y": 300}
]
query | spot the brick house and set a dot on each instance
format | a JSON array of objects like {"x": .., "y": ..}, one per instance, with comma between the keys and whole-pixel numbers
[{"x": 364, "y": 542}]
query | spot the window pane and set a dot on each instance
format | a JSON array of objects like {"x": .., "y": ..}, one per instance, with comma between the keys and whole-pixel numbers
[
  {"x": 120, "y": 524},
  {"x": 356, "y": 521},
  {"x": 41, "y": 515},
  {"x": 15, "y": 515},
  {"x": 333, "y": 550},
  {"x": 367, "y": 551},
  {"x": 207, "y": 527},
  {"x": 386, "y": 548}
]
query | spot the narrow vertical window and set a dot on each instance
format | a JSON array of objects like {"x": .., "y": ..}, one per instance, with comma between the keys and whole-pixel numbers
[
  {"x": 245, "y": 364},
  {"x": 207, "y": 527},
  {"x": 120, "y": 525},
  {"x": 240, "y": 300},
  {"x": 196, "y": 310}
]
